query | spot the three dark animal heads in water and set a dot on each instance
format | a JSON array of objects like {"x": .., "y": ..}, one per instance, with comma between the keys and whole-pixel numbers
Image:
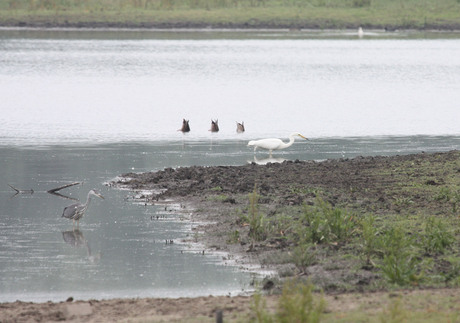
[{"x": 214, "y": 126}]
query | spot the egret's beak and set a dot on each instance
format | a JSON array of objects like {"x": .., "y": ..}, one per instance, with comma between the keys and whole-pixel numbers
[
  {"x": 99, "y": 195},
  {"x": 302, "y": 137}
]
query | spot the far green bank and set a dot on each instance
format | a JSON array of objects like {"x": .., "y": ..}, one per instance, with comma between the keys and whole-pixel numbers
[{"x": 292, "y": 14}]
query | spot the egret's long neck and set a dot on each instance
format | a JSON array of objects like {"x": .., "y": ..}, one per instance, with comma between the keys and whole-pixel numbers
[{"x": 291, "y": 141}]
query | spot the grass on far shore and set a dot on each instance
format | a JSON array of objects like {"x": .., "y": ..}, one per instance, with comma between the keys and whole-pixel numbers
[{"x": 319, "y": 14}]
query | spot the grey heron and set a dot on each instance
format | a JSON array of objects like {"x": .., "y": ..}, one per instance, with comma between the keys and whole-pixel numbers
[{"x": 76, "y": 211}]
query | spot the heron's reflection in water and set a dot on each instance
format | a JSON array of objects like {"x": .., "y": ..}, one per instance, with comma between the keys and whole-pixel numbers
[
  {"x": 265, "y": 161},
  {"x": 76, "y": 239}
]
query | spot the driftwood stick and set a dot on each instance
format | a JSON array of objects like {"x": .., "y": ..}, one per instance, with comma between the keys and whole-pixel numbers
[
  {"x": 31, "y": 191},
  {"x": 54, "y": 190},
  {"x": 17, "y": 191}
]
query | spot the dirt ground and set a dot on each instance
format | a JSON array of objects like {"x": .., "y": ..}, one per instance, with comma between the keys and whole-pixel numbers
[
  {"x": 232, "y": 309},
  {"x": 218, "y": 196}
]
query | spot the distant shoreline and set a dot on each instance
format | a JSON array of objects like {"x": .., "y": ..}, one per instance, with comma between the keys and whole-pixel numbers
[
  {"x": 453, "y": 28},
  {"x": 272, "y": 15},
  {"x": 234, "y": 32},
  {"x": 209, "y": 29}
]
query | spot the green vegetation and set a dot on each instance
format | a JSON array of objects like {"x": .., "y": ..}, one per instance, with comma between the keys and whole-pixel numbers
[
  {"x": 397, "y": 244},
  {"x": 400, "y": 264},
  {"x": 324, "y": 223},
  {"x": 437, "y": 236},
  {"x": 255, "y": 219},
  {"x": 392, "y": 14},
  {"x": 297, "y": 303},
  {"x": 400, "y": 230},
  {"x": 379, "y": 235},
  {"x": 402, "y": 251}
]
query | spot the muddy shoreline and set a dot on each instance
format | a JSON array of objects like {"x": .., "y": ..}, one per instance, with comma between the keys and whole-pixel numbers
[{"x": 218, "y": 196}]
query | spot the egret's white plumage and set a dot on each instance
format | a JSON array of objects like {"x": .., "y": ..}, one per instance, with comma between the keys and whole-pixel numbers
[{"x": 274, "y": 143}]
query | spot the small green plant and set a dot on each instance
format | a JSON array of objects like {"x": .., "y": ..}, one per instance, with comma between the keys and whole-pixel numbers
[
  {"x": 296, "y": 304},
  {"x": 340, "y": 222},
  {"x": 395, "y": 313},
  {"x": 449, "y": 195},
  {"x": 325, "y": 223},
  {"x": 402, "y": 202},
  {"x": 218, "y": 198},
  {"x": 256, "y": 221},
  {"x": 453, "y": 275},
  {"x": 400, "y": 269},
  {"x": 443, "y": 194},
  {"x": 455, "y": 200},
  {"x": 259, "y": 310},
  {"x": 370, "y": 239},
  {"x": 303, "y": 256},
  {"x": 313, "y": 227},
  {"x": 234, "y": 237},
  {"x": 395, "y": 240},
  {"x": 305, "y": 190},
  {"x": 400, "y": 264},
  {"x": 437, "y": 237}
]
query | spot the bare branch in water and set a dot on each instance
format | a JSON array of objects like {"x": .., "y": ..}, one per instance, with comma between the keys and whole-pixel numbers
[
  {"x": 18, "y": 191},
  {"x": 54, "y": 190}
]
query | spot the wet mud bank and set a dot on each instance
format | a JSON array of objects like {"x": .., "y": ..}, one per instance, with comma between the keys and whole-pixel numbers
[{"x": 226, "y": 200}]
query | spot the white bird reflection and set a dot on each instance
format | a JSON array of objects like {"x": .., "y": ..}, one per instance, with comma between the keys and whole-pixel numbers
[{"x": 265, "y": 161}]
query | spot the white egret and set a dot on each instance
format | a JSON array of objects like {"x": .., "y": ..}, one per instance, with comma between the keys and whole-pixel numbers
[{"x": 274, "y": 143}]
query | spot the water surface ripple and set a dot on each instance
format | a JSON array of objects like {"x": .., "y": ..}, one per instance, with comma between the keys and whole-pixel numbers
[{"x": 88, "y": 106}]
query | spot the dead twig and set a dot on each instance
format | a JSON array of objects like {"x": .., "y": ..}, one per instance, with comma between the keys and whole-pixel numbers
[
  {"x": 18, "y": 191},
  {"x": 54, "y": 190}
]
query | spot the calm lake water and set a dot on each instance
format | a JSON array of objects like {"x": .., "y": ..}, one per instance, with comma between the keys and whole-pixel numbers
[{"x": 88, "y": 106}]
